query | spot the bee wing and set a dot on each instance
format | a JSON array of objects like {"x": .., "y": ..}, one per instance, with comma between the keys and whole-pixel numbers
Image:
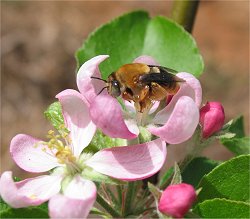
[
  {"x": 161, "y": 78},
  {"x": 167, "y": 70},
  {"x": 161, "y": 84},
  {"x": 164, "y": 69}
]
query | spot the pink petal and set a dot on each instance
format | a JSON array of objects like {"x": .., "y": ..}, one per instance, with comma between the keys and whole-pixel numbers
[
  {"x": 130, "y": 162},
  {"x": 180, "y": 123},
  {"x": 131, "y": 109},
  {"x": 29, "y": 192},
  {"x": 28, "y": 154},
  {"x": 87, "y": 86},
  {"x": 132, "y": 126},
  {"x": 78, "y": 199},
  {"x": 146, "y": 60},
  {"x": 154, "y": 107},
  {"x": 76, "y": 115},
  {"x": 106, "y": 113},
  {"x": 191, "y": 89},
  {"x": 194, "y": 83}
]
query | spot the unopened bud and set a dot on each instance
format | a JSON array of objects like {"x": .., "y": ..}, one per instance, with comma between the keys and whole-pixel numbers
[
  {"x": 212, "y": 118},
  {"x": 177, "y": 199}
]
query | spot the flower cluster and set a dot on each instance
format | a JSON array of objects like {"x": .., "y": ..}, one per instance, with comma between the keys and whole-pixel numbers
[{"x": 69, "y": 192}]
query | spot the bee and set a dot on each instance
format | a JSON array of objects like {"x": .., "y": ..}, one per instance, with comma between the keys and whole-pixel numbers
[{"x": 143, "y": 84}]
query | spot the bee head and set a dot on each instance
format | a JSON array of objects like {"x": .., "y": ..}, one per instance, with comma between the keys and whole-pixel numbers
[{"x": 114, "y": 88}]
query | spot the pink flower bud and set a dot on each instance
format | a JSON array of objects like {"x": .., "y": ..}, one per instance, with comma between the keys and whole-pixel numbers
[
  {"x": 177, "y": 199},
  {"x": 212, "y": 118}
]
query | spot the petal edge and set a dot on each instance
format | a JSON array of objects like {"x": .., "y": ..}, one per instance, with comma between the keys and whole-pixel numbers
[
  {"x": 30, "y": 156},
  {"x": 132, "y": 162},
  {"x": 181, "y": 123}
]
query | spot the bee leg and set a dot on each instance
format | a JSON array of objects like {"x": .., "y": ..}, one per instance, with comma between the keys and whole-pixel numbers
[
  {"x": 138, "y": 107},
  {"x": 143, "y": 108},
  {"x": 139, "y": 99},
  {"x": 146, "y": 104},
  {"x": 145, "y": 101},
  {"x": 144, "y": 93},
  {"x": 127, "y": 96}
]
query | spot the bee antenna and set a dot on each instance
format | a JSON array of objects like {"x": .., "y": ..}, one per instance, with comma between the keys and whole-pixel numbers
[
  {"x": 102, "y": 90},
  {"x": 99, "y": 79}
]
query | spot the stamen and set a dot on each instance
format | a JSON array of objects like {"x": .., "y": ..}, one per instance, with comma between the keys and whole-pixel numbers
[{"x": 59, "y": 146}]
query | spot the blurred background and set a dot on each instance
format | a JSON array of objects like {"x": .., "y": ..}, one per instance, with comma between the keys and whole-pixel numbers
[{"x": 39, "y": 39}]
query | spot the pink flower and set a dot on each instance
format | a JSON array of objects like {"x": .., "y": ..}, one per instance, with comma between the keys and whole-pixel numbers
[
  {"x": 174, "y": 124},
  {"x": 177, "y": 199},
  {"x": 212, "y": 118},
  {"x": 70, "y": 194}
]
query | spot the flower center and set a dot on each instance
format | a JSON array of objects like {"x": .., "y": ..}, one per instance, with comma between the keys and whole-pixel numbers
[{"x": 60, "y": 146}]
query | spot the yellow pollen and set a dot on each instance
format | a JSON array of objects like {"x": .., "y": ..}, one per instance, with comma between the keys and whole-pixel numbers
[
  {"x": 32, "y": 196},
  {"x": 59, "y": 146}
]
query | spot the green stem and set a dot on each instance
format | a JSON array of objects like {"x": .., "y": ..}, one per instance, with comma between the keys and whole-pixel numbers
[
  {"x": 98, "y": 212},
  {"x": 184, "y": 11},
  {"x": 101, "y": 201},
  {"x": 129, "y": 197},
  {"x": 115, "y": 201},
  {"x": 119, "y": 193}
]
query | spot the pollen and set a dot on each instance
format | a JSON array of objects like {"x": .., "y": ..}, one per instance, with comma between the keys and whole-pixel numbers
[
  {"x": 33, "y": 196},
  {"x": 59, "y": 145}
]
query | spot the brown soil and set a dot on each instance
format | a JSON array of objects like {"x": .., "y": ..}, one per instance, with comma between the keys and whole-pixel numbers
[{"x": 38, "y": 41}]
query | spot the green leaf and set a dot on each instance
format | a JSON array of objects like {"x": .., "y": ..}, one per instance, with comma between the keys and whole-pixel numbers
[
  {"x": 166, "y": 176},
  {"x": 155, "y": 191},
  {"x": 172, "y": 46},
  {"x": 30, "y": 212},
  {"x": 196, "y": 169},
  {"x": 236, "y": 126},
  {"x": 101, "y": 141},
  {"x": 229, "y": 180},
  {"x": 89, "y": 173},
  {"x": 238, "y": 144},
  {"x": 122, "y": 39},
  {"x": 177, "y": 179},
  {"x": 54, "y": 115},
  {"x": 3, "y": 205},
  {"x": 222, "y": 208},
  {"x": 227, "y": 135},
  {"x": 135, "y": 34}
]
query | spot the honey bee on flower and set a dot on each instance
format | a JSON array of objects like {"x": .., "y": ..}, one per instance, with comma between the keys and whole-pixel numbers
[{"x": 174, "y": 122}]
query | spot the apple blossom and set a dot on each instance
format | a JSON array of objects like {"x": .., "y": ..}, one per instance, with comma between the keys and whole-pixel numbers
[
  {"x": 70, "y": 194},
  {"x": 174, "y": 124},
  {"x": 177, "y": 199},
  {"x": 212, "y": 118}
]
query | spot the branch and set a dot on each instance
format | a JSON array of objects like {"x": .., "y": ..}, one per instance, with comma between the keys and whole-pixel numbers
[{"x": 184, "y": 11}]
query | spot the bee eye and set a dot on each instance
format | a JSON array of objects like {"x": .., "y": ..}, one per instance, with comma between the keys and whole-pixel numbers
[{"x": 115, "y": 90}]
